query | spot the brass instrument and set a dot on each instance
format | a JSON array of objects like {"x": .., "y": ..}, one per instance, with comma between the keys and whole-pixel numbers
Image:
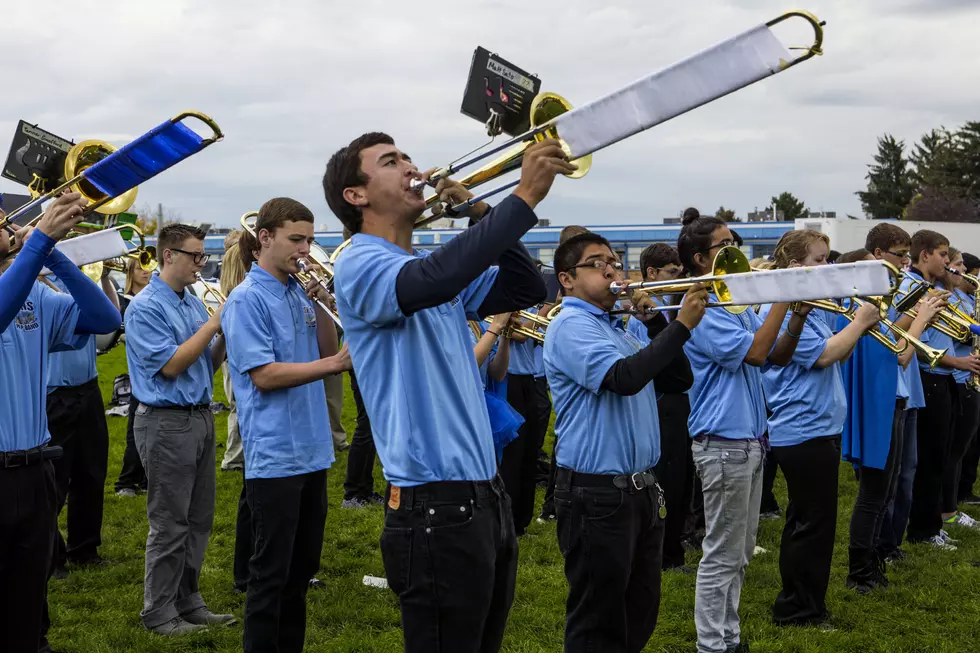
[
  {"x": 544, "y": 109},
  {"x": 212, "y": 291},
  {"x": 307, "y": 271},
  {"x": 973, "y": 383},
  {"x": 143, "y": 255},
  {"x": 531, "y": 333},
  {"x": 950, "y": 320}
]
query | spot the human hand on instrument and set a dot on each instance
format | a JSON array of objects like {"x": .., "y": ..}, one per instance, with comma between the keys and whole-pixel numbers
[
  {"x": 693, "y": 307},
  {"x": 641, "y": 302},
  {"x": 452, "y": 193},
  {"x": 801, "y": 308},
  {"x": 969, "y": 363},
  {"x": 214, "y": 321},
  {"x": 21, "y": 236},
  {"x": 928, "y": 307},
  {"x": 542, "y": 161},
  {"x": 61, "y": 215},
  {"x": 500, "y": 322},
  {"x": 314, "y": 290},
  {"x": 867, "y": 315}
]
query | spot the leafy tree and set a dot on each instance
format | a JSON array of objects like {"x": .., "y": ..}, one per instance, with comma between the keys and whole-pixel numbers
[
  {"x": 789, "y": 206},
  {"x": 728, "y": 215},
  {"x": 890, "y": 185}
]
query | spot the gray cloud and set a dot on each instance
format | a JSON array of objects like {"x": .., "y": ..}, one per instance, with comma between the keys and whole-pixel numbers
[{"x": 291, "y": 82}]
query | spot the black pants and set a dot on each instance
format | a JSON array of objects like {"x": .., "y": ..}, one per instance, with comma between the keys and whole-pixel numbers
[
  {"x": 28, "y": 524},
  {"x": 543, "y": 403},
  {"x": 76, "y": 421},
  {"x": 932, "y": 444},
  {"x": 288, "y": 515},
  {"x": 876, "y": 488},
  {"x": 518, "y": 467},
  {"x": 961, "y": 437},
  {"x": 132, "y": 476},
  {"x": 807, "y": 546},
  {"x": 243, "y": 540},
  {"x": 968, "y": 470},
  {"x": 769, "y": 503},
  {"x": 359, "y": 482},
  {"x": 612, "y": 542},
  {"x": 672, "y": 471},
  {"x": 450, "y": 555}
]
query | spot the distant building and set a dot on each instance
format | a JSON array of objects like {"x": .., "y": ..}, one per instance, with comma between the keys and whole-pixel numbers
[{"x": 765, "y": 215}]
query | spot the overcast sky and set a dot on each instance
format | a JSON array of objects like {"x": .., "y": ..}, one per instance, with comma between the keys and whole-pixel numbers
[{"x": 290, "y": 82}]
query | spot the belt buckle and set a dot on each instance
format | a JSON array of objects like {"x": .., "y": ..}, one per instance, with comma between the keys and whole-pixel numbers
[
  {"x": 633, "y": 478},
  {"x": 11, "y": 461}
]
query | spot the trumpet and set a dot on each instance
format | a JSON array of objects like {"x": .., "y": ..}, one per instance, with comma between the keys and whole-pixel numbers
[
  {"x": 527, "y": 332},
  {"x": 974, "y": 381},
  {"x": 307, "y": 271},
  {"x": 950, "y": 321},
  {"x": 212, "y": 291}
]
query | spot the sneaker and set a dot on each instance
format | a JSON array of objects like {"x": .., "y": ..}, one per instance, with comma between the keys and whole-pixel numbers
[
  {"x": 946, "y": 538},
  {"x": 773, "y": 515},
  {"x": 377, "y": 499},
  {"x": 204, "y": 617},
  {"x": 681, "y": 569},
  {"x": 354, "y": 502},
  {"x": 176, "y": 626},
  {"x": 963, "y": 519},
  {"x": 60, "y": 572},
  {"x": 126, "y": 492},
  {"x": 545, "y": 518},
  {"x": 758, "y": 550},
  {"x": 343, "y": 446},
  {"x": 233, "y": 467},
  {"x": 741, "y": 647},
  {"x": 317, "y": 584},
  {"x": 895, "y": 555},
  {"x": 938, "y": 542}
]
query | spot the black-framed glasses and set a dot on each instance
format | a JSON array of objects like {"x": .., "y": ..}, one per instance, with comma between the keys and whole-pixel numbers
[
  {"x": 200, "y": 258},
  {"x": 600, "y": 265},
  {"x": 728, "y": 242},
  {"x": 901, "y": 255}
]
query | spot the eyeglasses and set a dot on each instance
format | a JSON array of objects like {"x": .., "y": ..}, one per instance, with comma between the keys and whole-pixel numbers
[
  {"x": 725, "y": 243},
  {"x": 199, "y": 257},
  {"x": 600, "y": 265},
  {"x": 901, "y": 255}
]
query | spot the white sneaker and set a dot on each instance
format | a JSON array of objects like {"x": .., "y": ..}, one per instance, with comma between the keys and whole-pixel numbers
[
  {"x": 946, "y": 538},
  {"x": 938, "y": 542},
  {"x": 758, "y": 550},
  {"x": 963, "y": 519}
]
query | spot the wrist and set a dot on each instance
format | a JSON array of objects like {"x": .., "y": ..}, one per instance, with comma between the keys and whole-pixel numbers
[{"x": 526, "y": 197}]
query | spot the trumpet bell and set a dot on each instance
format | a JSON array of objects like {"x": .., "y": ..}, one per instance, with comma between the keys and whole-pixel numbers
[{"x": 85, "y": 155}]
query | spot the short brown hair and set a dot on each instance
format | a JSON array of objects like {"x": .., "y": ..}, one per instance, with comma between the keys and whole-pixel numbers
[
  {"x": 657, "y": 255},
  {"x": 344, "y": 171},
  {"x": 571, "y": 231},
  {"x": 884, "y": 236},
  {"x": 173, "y": 236},
  {"x": 926, "y": 241},
  {"x": 794, "y": 245},
  {"x": 855, "y": 255},
  {"x": 277, "y": 212}
]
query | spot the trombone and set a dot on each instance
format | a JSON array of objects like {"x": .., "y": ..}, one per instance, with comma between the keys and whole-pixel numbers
[
  {"x": 306, "y": 270},
  {"x": 212, "y": 291},
  {"x": 144, "y": 256}
]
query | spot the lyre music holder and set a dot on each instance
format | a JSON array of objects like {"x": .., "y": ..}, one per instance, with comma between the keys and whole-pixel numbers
[{"x": 499, "y": 94}]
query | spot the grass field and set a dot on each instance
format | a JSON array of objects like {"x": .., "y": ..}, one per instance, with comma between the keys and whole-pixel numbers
[{"x": 933, "y": 603}]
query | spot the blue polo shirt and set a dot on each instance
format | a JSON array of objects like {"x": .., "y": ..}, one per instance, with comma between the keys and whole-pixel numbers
[
  {"x": 485, "y": 367},
  {"x": 909, "y": 381},
  {"x": 75, "y": 366},
  {"x": 521, "y": 360},
  {"x": 930, "y": 336},
  {"x": 726, "y": 398},
  {"x": 158, "y": 321},
  {"x": 417, "y": 373},
  {"x": 806, "y": 402},
  {"x": 284, "y": 432},
  {"x": 964, "y": 302},
  {"x": 597, "y": 431},
  {"x": 45, "y": 323}
]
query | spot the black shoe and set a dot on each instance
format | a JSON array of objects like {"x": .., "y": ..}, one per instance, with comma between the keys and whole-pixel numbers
[
  {"x": 741, "y": 647},
  {"x": 91, "y": 561},
  {"x": 60, "y": 572},
  {"x": 864, "y": 571},
  {"x": 377, "y": 499},
  {"x": 680, "y": 569}
]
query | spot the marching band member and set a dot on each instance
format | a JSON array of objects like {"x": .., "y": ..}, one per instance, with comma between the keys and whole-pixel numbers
[
  {"x": 281, "y": 347},
  {"x": 971, "y": 460},
  {"x": 77, "y": 424},
  {"x": 35, "y": 320},
  {"x": 967, "y": 401},
  {"x": 132, "y": 476},
  {"x": 172, "y": 349},
  {"x": 233, "y": 272},
  {"x": 675, "y": 470},
  {"x": 448, "y": 545},
  {"x": 728, "y": 423},
  {"x": 808, "y": 407},
  {"x": 930, "y": 256},
  {"x": 609, "y": 505}
]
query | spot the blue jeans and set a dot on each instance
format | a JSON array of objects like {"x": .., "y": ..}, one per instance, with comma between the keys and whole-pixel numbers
[
  {"x": 731, "y": 479},
  {"x": 897, "y": 513}
]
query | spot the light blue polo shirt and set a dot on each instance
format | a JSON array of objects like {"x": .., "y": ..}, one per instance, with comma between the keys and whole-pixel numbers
[
  {"x": 73, "y": 367},
  {"x": 45, "y": 323},
  {"x": 806, "y": 402},
  {"x": 521, "y": 360},
  {"x": 417, "y": 373},
  {"x": 284, "y": 432},
  {"x": 485, "y": 367},
  {"x": 639, "y": 330},
  {"x": 964, "y": 302},
  {"x": 726, "y": 398},
  {"x": 932, "y": 337},
  {"x": 158, "y": 321},
  {"x": 597, "y": 431},
  {"x": 910, "y": 379}
]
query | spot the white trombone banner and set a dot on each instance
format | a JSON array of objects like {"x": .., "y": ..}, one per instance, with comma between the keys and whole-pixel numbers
[
  {"x": 863, "y": 278},
  {"x": 91, "y": 248},
  {"x": 706, "y": 76}
]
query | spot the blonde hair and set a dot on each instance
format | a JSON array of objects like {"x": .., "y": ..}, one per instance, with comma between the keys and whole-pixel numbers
[
  {"x": 794, "y": 245},
  {"x": 130, "y": 277},
  {"x": 760, "y": 263},
  {"x": 232, "y": 238},
  {"x": 232, "y": 270}
]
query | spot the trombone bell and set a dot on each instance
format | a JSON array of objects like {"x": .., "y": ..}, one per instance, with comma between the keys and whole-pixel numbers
[{"x": 84, "y": 156}]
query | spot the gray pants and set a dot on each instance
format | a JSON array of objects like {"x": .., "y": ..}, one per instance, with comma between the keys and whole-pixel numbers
[
  {"x": 234, "y": 454},
  {"x": 334, "y": 387},
  {"x": 176, "y": 446},
  {"x": 731, "y": 478}
]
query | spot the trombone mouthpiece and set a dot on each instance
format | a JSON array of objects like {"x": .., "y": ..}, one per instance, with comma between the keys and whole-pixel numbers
[
  {"x": 417, "y": 186},
  {"x": 616, "y": 287}
]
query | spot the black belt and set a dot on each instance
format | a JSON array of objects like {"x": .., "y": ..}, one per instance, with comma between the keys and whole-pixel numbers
[
  {"x": 28, "y": 457},
  {"x": 627, "y": 482},
  {"x": 443, "y": 491},
  {"x": 187, "y": 408}
]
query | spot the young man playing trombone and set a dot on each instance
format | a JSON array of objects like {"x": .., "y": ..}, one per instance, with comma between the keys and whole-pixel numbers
[
  {"x": 34, "y": 320},
  {"x": 448, "y": 545},
  {"x": 610, "y": 506},
  {"x": 280, "y": 348},
  {"x": 173, "y": 348}
]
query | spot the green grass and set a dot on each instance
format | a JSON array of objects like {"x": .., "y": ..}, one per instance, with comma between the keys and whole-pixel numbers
[{"x": 932, "y": 604}]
